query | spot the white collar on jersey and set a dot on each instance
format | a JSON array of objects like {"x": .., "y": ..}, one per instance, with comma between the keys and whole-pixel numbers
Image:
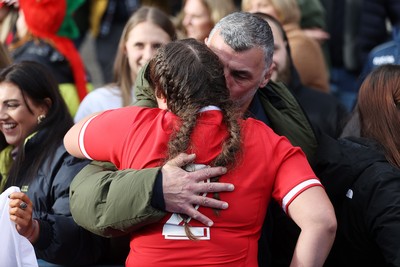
[{"x": 207, "y": 108}]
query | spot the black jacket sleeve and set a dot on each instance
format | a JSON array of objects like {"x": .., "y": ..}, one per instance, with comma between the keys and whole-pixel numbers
[{"x": 61, "y": 240}]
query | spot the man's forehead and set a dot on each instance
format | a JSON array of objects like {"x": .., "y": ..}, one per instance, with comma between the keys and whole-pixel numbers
[
  {"x": 246, "y": 60},
  {"x": 239, "y": 61}
]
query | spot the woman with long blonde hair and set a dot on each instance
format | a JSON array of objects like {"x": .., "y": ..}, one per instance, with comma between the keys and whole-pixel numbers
[{"x": 146, "y": 30}]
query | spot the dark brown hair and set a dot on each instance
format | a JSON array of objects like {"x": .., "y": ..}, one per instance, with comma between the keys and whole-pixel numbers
[
  {"x": 190, "y": 76},
  {"x": 379, "y": 109},
  {"x": 38, "y": 84}
]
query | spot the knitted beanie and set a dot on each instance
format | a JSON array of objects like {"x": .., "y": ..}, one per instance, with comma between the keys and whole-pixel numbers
[{"x": 44, "y": 19}]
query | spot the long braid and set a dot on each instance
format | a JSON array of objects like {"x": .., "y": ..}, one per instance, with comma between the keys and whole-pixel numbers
[
  {"x": 190, "y": 76},
  {"x": 231, "y": 147},
  {"x": 180, "y": 138}
]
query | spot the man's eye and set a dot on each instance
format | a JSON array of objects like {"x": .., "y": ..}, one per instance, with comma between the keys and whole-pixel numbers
[{"x": 239, "y": 76}]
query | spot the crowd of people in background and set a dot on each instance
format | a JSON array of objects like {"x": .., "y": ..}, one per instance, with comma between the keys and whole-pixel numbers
[{"x": 284, "y": 113}]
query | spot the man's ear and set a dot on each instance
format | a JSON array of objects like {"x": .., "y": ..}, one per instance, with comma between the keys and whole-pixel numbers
[{"x": 267, "y": 75}]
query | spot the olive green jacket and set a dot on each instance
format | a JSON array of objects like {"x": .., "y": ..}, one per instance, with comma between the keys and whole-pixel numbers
[{"x": 111, "y": 203}]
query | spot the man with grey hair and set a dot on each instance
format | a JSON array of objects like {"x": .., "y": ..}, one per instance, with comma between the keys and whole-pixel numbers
[{"x": 244, "y": 44}]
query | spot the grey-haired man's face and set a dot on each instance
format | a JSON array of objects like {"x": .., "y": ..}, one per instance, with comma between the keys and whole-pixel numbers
[{"x": 244, "y": 71}]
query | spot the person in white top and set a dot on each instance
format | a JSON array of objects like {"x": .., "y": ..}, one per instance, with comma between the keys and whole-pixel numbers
[{"x": 146, "y": 30}]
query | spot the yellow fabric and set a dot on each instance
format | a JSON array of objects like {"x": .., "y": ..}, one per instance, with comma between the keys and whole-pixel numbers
[
  {"x": 97, "y": 9},
  {"x": 5, "y": 164},
  {"x": 6, "y": 161},
  {"x": 70, "y": 96}
]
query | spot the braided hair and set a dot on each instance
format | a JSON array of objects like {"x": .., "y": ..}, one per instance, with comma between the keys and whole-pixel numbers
[{"x": 190, "y": 76}]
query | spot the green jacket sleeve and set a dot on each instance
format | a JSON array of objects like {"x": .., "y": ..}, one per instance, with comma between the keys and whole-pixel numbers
[{"x": 112, "y": 203}]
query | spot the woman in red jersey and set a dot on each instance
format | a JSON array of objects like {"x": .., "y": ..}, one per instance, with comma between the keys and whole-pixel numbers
[{"x": 196, "y": 115}]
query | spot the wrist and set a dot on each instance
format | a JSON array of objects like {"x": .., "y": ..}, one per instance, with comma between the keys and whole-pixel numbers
[
  {"x": 32, "y": 237},
  {"x": 157, "y": 199}
]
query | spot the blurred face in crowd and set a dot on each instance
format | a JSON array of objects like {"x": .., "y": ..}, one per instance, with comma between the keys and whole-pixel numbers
[
  {"x": 18, "y": 117},
  {"x": 245, "y": 71},
  {"x": 197, "y": 20},
  {"x": 281, "y": 72},
  {"x": 263, "y": 6},
  {"x": 142, "y": 43}
]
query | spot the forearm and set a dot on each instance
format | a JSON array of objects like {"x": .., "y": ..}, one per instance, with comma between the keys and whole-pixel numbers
[
  {"x": 313, "y": 246},
  {"x": 112, "y": 203},
  {"x": 314, "y": 214}
]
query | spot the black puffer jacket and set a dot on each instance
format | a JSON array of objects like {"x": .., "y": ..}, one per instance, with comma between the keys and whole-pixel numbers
[
  {"x": 365, "y": 191},
  {"x": 61, "y": 240}
]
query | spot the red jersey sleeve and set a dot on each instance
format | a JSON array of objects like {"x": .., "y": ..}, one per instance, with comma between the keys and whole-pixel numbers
[
  {"x": 293, "y": 175},
  {"x": 103, "y": 136},
  {"x": 284, "y": 163}
]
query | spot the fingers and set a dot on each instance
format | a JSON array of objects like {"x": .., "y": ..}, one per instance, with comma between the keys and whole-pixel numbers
[
  {"x": 211, "y": 202},
  {"x": 23, "y": 205},
  {"x": 206, "y": 173},
  {"x": 19, "y": 195},
  {"x": 181, "y": 160},
  {"x": 212, "y": 187},
  {"x": 196, "y": 215},
  {"x": 206, "y": 202},
  {"x": 22, "y": 218},
  {"x": 20, "y": 201},
  {"x": 20, "y": 210}
]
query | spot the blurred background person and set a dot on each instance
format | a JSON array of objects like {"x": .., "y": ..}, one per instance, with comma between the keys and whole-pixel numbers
[
  {"x": 5, "y": 58},
  {"x": 146, "y": 30},
  {"x": 313, "y": 20},
  {"x": 306, "y": 53},
  {"x": 327, "y": 115},
  {"x": 49, "y": 41},
  {"x": 8, "y": 17},
  {"x": 34, "y": 120},
  {"x": 198, "y": 17},
  {"x": 355, "y": 27},
  {"x": 376, "y": 22},
  {"x": 386, "y": 53},
  {"x": 107, "y": 19},
  {"x": 343, "y": 22}
]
